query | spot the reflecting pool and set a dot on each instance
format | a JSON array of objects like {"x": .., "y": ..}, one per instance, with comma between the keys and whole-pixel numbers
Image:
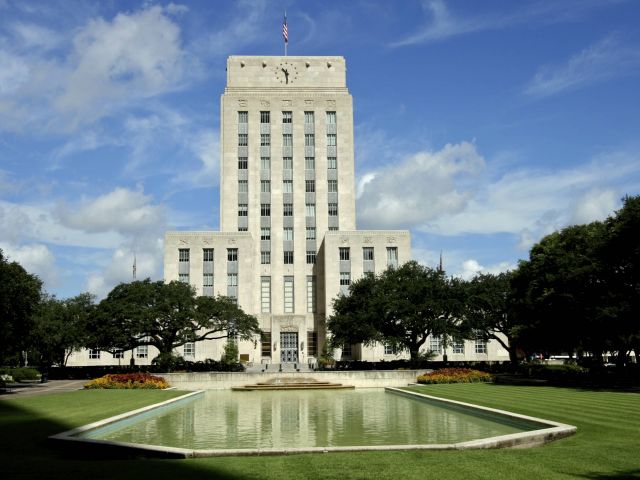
[{"x": 312, "y": 418}]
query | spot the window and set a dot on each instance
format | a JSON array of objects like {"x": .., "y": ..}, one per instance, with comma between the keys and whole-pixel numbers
[
  {"x": 392, "y": 257},
  {"x": 265, "y": 233},
  {"x": 312, "y": 344},
  {"x": 243, "y": 229},
  {"x": 311, "y": 233},
  {"x": 309, "y": 140},
  {"x": 243, "y": 186},
  {"x": 232, "y": 279},
  {"x": 332, "y": 186},
  {"x": 310, "y": 209},
  {"x": 183, "y": 255},
  {"x": 265, "y": 294},
  {"x": 243, "y": 163},
  {"x": 333, "y": 229},
  {"x": 243, "y": 210},
  {"x": 265, "y": 343},
  {"x": 207, "y": 279},
  {"x": 311, "y": 294},
  {"x": 287, "y": 233},
  {"x": 346, "y": 350},
  {"x": 189, "y": 350},
  {"x": 345, "y": 278},
  {"x": 367, "y": 253},
  {"x": 287, "y": 163},
  {"x": 232, "y": 254},
  {"x": 309, "y": 163},
  {"x": 331, "y": 118},
  {"x": 183, "y": 277},
  {"x": 287, "y": 186},
  {"x": 457, "y": 346},
  {"x": 331, "y": 140},
  {"x": 288, "y": 294},
  {"x": 265, "y": 139},
  {"x": 435, "y": 344},
  {"x": 288, "y": 257},
  {"x": 332, "y": 163},
  {"x": 286, "y": 117},
  {"x": 308, "y": 118},
  {"x": 265, "y": 257},
  {"x": 243, "y": 139},
  {"x": 265, "y": 209},
  {"x": 287, "y": 209},
  {"x": 265, "y": 163},
  {"x": 265, "y": 186},
  {"x": 309, "y": 186},
  {"x": 311, "y": 257},
  {"x": 344, "y": 253},
  {"x": 142, "y": 351},
  {"x": 265, "y": 117},
  {"x": 481, "y": 346},
  {"x": 333, "y": 209},
  {"x": 389, "y": 349},
  {"x": 243, "y": 117},
  {"x": 118, "y": 353},
  {"x": 287, "y": 140}
]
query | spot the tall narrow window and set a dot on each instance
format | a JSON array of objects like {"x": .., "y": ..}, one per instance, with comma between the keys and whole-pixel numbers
[
  {"x": 288, "y": 295},
  {"x": 243, "y": 163},
  {"x": 243, "y": 139},
  {"x": 311, "y": 294},
  {"x": 207, "y": 254},
  {"x": 286, "y": 117},
  {"x": 435, "y": 344},
  {"x": 265, "y": 340},
  {"x": 331, "y": 139},
  {"x": 265, "y": 257},
  {"x": 287, "y": 163},
  {"x": 243, "y": 117},
  {"x": 309, "y": 163},
  {"x": 183, "y": 255},
  {"x": 332, "y": 163},
  {"x": 308, "y": 118},
  {"x": 332, "y": 186},
  {"x": 287, "y": 233},
  {"x": 345, "y": 279},
  {"x": 481, "y": 346},
  {"x": 457, "y": 347},
  {"x": 207, "y": 279},
  {"x": 367, "y": 253},
  {"x": 265, "y": 117},
  {"x": 265, "y": 163},
  {"x": 265, "y": 140},
  {"x": 265, "y": 233},
  {"x": 265, "y": 186},
  {"x": 310, "y": 209},
  {"x": 331, "y": 118},
  {"x": 189, "y": 350},
  {"x": 232, "y": 254},
  {"x": 183, "y": 277},
  {"x": 287, "y": 186},
  {"x": 309, "y": 186},
  {"x": 392, "y": 257},
  {"x": 311, "y": 233},
  {"x": 309, "y": 140},
  {"x": 265, "y": 210},
  {"x": 344, "y": 253},
  {"x": 288, "y": 257},
  {"x": 333, "y": 209},
  {"x": 312, "y": 343},
  {"x": 265, "y": 294},
  {"x": 311, "y": 257},
  {"x": 243, "y": 186},
  {"x": 287, "y": 140},
  {"x": 287, "y": 209},
  {"x": 142, "y": 351},
  {"x": 232, "y": 280},
  {"x": 243, "y": 210}
]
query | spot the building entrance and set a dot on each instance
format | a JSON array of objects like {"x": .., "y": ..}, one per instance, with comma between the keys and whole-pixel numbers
[{"x": 288, "y": 347}]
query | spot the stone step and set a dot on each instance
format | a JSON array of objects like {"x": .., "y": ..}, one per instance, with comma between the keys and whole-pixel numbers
[{"x": 293, "y": 386}]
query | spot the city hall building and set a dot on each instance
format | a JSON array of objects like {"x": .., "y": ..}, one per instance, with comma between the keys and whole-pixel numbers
[{"x": 288, "y": 243}]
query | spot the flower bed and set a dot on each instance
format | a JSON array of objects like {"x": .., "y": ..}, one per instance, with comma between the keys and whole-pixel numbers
[
  {"x": 455, "y": 375},
  {"x": 128, "y": 381}
]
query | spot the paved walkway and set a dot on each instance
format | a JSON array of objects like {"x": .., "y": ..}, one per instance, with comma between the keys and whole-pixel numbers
[{"x": 32, "y": 389}]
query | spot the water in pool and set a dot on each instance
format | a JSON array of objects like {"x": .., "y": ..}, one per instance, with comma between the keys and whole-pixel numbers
[{"x": 312, "y": 418}]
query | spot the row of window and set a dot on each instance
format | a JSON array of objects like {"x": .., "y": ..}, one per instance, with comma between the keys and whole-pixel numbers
[
  {"x": 287, "y": 163},
  {"x": 287, "y": 186},
  {"x": 287, "y": 209},
  {"x": 368, "y": 254},
  {"x": 457, "y": 346},
  {"x": 188, "y": 351},
  {"x": 287, "y": 140},
  {"x": 288, "y": 297},
  {"x": 287, "y": 117}
]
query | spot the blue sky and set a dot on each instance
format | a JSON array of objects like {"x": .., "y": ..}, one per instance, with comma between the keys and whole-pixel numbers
[{"x": 480, "y": 126}]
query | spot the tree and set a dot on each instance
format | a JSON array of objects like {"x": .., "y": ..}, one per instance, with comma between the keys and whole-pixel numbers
[
  {"x": 401, "y": 307},
  {"x": 20, "y": 294},
  {"x": 488, "y": 310},
  {"x": 166, "y": 315},
  {"x": 61, "y": 327}
]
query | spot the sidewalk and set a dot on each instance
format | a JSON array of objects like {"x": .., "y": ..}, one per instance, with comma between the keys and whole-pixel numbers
[{"x": 19, "y": 390}]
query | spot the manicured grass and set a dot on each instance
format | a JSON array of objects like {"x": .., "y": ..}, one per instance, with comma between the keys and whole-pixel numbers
[{"x": 604, "y": 447}]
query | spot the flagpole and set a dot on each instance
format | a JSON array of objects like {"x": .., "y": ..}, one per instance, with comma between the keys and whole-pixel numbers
[{"x": 285, "y": 33}]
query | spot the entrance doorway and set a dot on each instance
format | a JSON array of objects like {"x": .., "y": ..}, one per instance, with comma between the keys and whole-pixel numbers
[{"x": 288, "y": 347}]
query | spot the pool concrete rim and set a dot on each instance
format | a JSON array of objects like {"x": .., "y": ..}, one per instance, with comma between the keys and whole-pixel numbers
[{"x": 551, "y": 431}]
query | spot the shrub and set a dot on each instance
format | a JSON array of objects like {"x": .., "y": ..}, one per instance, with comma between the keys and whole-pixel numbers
[
  {"x": 128, "y": 381},
  {"x": 21, "y": 374},
  {"x": 455, "y": 375}
]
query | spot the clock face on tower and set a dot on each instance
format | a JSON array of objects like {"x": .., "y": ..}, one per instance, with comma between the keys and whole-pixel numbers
[{"x": 286, "y": 73}]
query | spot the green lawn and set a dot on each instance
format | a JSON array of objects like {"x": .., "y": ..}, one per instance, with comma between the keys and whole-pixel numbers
[{"x": 606, "y": 445}]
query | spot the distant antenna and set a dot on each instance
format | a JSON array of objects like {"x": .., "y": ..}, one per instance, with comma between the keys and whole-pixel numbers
[
  {"x": 134, "y": 266},
  {"x": 440, "y": 269}
]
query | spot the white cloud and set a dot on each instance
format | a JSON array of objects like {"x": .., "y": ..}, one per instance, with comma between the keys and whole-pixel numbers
[
  {"x": 14, "y": 72},
  {"x": 606, "y": 59},
  {"x": 471, "y": 267},
  {"x": 596, "y": 204},
  {"x": 423, "y": 187},
  {"x": 35, "y": 258},
  {"x": 122, "y": 210},
  {"x": 30, "y": 35}
]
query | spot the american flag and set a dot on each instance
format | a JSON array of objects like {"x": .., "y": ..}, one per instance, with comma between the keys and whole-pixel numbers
[{"x": 285, "y": 30}]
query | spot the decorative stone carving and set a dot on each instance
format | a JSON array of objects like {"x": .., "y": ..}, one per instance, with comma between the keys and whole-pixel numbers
[
  {"x": 242, "y": 103},
  {"x": 231, "y": 241},
  {"x": 331, "y": 103},
  {"x": 286, "y": 103},
  {"x": 264, "y": 103},
  {"x": 308, "y": 103},
  {"x": 184, "y": 241},
  {"x": 367, "y": 240},
  {"x": 344, "y": 240},
  {"x": 391, "y": 239}
]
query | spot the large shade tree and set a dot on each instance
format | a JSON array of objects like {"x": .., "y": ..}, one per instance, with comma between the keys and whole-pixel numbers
[
  {"x": 166, "y": 315},
  {"x": 401, "y": 307},
  {"x": 20, "y": 294}
]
